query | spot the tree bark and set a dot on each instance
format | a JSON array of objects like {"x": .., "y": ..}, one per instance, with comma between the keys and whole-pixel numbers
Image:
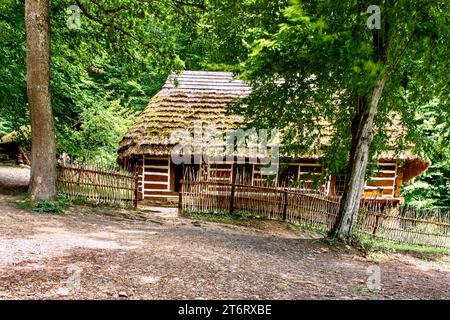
[
  {"x": 362, "y": 136},
  {"x": 43, "y": 159}
]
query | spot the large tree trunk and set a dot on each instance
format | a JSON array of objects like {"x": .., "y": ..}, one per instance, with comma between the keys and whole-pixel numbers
[
  {"x": 362, "y": 136},
  {"x": 43, "y": 165}
]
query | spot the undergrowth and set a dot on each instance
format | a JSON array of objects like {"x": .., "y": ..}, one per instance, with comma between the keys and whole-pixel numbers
[
  {"x": 59, "y": 205},
  {"x": 368, "y": 244},
  {"x": 216, "y": 216},
  {"x": 44, "y": 206},
  {"x": 303, "y": 228}
]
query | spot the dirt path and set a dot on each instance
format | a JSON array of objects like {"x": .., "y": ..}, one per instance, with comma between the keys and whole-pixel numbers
[
  {"x": 14, "y": 179},
  {"x": 98, "y": 254}
]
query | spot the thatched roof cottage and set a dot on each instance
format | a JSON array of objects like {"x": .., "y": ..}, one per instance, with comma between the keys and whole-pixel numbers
[{"x": 198, "y": 98}]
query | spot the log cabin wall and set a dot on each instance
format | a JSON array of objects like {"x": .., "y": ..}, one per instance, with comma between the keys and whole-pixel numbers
[
  {"x": 337, "y": 185},
  {"x": 383, "y": 183},
  {"x": 219, "y": 172},
  {"x": 258, "y": 177},
  {"x": 306, "y": 173},
  {"x": 386, "y": 182},
  {"x": 398, "y": 182},
  {"x": 156, "y": 179},
  {"x": 310, "y": 173},
  {"x": 139, "y": 169}
]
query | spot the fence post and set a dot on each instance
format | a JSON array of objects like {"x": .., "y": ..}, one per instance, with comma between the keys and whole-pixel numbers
[
  {"x": 180, "y": 198},
  {"x": 285, "y": 198},
  {"x": 233, "y": 187},
  {"x": 375, "y": 227},
  {"x": 136, "y": 186}
]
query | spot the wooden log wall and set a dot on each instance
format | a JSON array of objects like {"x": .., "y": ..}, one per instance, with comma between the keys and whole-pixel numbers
[
  {"x": 156, "y": 179},
  {"x": 383, "y": 183}
]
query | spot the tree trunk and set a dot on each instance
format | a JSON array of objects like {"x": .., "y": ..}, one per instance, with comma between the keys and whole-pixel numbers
[
  {"x": 362, "y": 136},
  {"x": 43, "y": 165}
]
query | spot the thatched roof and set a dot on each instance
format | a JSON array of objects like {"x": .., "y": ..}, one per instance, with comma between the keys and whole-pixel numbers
[
  {"x": 191, "y": 98},
  {"x": 185, "y": 100}
]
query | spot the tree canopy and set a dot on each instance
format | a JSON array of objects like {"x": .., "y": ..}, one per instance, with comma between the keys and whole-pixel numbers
[
  {"x": 118, "y": 58},
  {"x": 326, "y": 45}
]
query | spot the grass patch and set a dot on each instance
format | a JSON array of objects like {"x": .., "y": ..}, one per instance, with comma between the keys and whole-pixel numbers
[
  {"x": 304, "y": 228},
  {"x": 240, "y": 218},
  {"x": 59, "y": 205},
  {"x": 44, "y": 206},
  {"x": 217, "y": 216},
  {"x": 84, "y": 201},
  {"x": 368, "y": 244}
]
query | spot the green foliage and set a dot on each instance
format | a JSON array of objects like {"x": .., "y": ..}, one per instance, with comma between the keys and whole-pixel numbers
[
  {"x": 310, "y": 53},
  {"x": 311, "y": 61},
  {"x": 79, "y": 200},
  {"x": 431, "y": 190},
  {"x": 3, "y": 127},
  {"x": 102, "y": 127},
  {"x": 217, "y": 216},
  {"x": 13, "y": 105},
  {"x": 107, "y": 69},
  {"x": 44, "y": 206},
  {"x": 309, "y": 228},
  {"x": 368, "y": 244},
  {"x": 61, "y": 204},
  {"x": 296, "y": 54},
  {"x": 230, "y": 27}
]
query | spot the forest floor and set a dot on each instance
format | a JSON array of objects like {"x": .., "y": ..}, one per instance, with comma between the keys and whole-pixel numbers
[{"x": 97, "y": 253}]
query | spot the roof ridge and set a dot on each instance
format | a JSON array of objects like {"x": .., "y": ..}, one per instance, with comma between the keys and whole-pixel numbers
[{"x": 206, "y": 80}]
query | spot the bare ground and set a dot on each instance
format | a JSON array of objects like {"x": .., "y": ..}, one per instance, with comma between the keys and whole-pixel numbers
[
  {"x": 152, "y": 255},
  {"x": 14, "y": 179}
]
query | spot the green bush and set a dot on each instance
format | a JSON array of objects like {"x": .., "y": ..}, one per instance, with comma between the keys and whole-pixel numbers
[
  {"x": 46, "y": 206},
  {"x": 79, "y": 200},
  {"x": 43, "y": 206}
]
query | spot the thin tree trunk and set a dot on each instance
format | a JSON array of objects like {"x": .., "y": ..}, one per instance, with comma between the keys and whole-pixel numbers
[
  {"x": 43, "y": 163},
  {"x": 362, "y": 136}
]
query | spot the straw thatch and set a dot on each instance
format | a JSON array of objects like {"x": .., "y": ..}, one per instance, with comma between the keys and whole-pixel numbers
[{"x": 184, "y": 100}]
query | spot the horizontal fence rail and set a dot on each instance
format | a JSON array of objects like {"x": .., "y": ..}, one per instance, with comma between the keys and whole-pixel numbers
[
  {"x": 99, "y": 185},
  {"x": 404, "y": 225}
]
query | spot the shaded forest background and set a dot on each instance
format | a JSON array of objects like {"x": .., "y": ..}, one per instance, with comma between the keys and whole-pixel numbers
[{"x": 103, "y": 74}]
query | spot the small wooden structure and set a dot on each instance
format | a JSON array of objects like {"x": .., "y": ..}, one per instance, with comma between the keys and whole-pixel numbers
[{"x": 195, "y": 97}]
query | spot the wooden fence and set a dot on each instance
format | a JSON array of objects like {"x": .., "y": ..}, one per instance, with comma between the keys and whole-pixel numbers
[
  {"x": 99, "y": 185},
  {"x": 391, "y": 223}
]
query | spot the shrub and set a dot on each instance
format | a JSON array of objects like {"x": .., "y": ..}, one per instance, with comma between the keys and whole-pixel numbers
[
  {"x": 46, "y": 206},
  {"x": 56, "y": 206}
]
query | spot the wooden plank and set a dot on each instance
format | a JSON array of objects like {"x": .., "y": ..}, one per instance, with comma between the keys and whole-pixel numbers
[{"x": 153, "y": 177}]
